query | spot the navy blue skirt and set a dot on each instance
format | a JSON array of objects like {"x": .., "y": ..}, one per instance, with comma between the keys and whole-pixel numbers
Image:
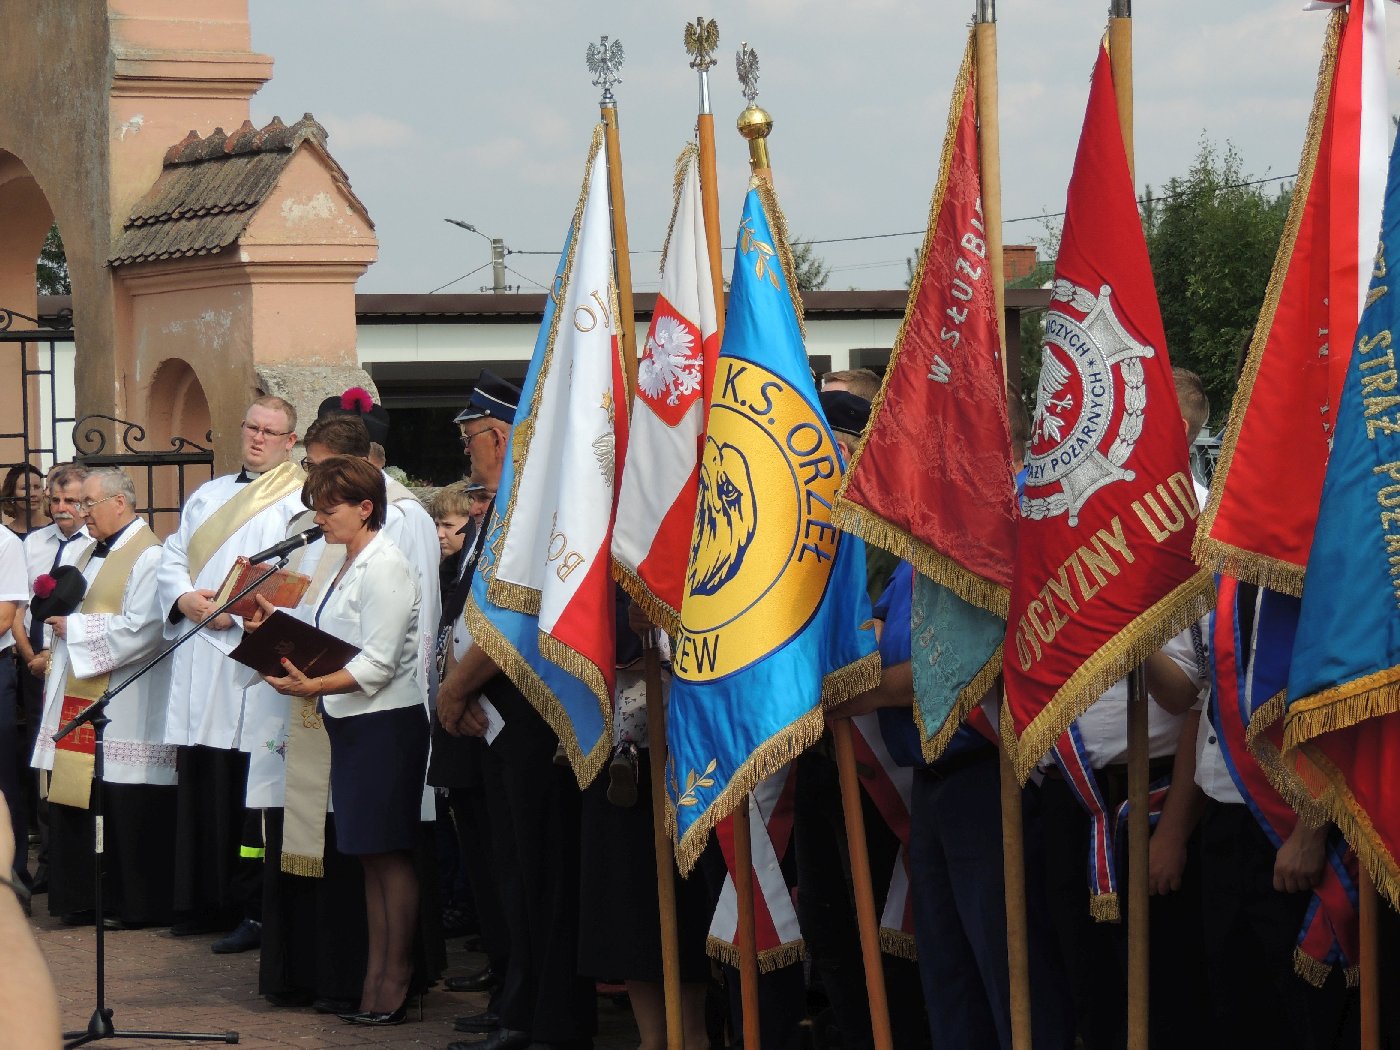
[{"x": 378, "y": 764}]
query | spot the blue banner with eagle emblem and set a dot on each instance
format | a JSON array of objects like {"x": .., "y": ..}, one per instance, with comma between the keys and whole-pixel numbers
[{"x": 775, "y": 621}]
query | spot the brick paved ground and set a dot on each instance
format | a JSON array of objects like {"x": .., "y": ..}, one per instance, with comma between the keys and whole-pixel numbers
[{"x": 159, "y": 982}]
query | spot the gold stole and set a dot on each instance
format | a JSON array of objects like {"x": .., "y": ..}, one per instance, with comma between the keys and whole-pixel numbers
[
  {"x": 247, "y": 503},
  {"x": 74, "y": 755},
  {"x": 308, "y": 757}
]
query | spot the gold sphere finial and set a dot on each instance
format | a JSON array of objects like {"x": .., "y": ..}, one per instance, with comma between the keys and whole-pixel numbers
[{"x": 754, "y": 122}]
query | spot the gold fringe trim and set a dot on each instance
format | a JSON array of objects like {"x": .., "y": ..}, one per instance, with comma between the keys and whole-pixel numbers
[
  {"x": 1282, "y": 776},
  {"x": 523, "y": 432},
  {"x": 769, "y": 959},
  {"x": 766, "y": 759},
  {"x": 1342, "y": 706},
  {"x": 928, "y": 561},
  {"x": 1314, "y": 971},
  {"x": 1353, "y": 976},
  {"x": 1006, "y": 729},
  {"x": 688, "y": 156},
  {"x": 514, "y": 596},
  {"x": 1352, "y": 820},
  {"x": 1248, "y": 566},
  {"x": 777, "y": 223},
  {"x": 1132, "y": 645},
  {"x": 845, "y": 682},
  {"x": 586, "y": 766},
  {"x": 934, "y": 744},
  {"x": 1103, "y": 907},
  {"x": 1209, "y": 552},
  {"x": 307, "y": 867},
  {"x": 585, "y": 670},
  {"x": 657, "y": 611},
  {"x": 899, "y": 944}
]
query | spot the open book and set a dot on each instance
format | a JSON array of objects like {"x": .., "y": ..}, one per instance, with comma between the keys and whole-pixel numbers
[{"x": 283, "y": 588}]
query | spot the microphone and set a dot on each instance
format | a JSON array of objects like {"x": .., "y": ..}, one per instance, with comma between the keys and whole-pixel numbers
[{"x": 291, "y": 543}]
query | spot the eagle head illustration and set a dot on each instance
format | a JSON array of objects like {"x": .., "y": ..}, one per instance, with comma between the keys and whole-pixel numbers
[{"x": 726, "y": 518}]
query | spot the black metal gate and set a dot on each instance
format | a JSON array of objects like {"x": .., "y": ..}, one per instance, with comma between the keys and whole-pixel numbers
[{"x": 39, "y": 427}]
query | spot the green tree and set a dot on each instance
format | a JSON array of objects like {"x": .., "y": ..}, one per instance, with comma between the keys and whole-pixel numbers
[
  {"x": 1212, "y": 238},
  {"x": 51, "y": 271},
  {"x": 809, "y": 268}
]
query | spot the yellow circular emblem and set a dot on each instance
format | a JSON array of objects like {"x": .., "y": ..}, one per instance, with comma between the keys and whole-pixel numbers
[{"x": 763, "y": 544}]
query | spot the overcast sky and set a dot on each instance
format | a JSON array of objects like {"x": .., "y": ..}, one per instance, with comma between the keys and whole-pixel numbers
[{"x": 482, "y": 109}]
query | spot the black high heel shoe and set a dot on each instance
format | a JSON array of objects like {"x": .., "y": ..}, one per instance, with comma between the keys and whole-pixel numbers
[{"x": 379, "y": 1019}]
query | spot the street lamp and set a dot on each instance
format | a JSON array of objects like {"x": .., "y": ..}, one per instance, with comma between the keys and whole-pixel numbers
[{"x": 498, "y": 255}]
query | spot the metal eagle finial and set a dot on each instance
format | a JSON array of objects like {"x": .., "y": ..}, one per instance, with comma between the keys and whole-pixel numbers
[
  {"x": 701, "y": 41},
  {"x": 605, "y": 62},
  {"x": 746, "y": 63}
]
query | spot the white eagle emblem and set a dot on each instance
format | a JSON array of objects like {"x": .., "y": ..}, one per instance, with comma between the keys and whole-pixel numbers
[
  {"x": 669, "y": 367},
  {"x": 1089, "y": 403}
]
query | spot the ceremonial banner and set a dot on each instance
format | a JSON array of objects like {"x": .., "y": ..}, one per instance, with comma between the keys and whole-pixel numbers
[
  {"x": 1103, "y": 574},
  {"x": 1253, "y": 528},
  {"x": 951, "y": 514},
  {"x": 1344, "y": 684},
  {"x": 775, "y": 623},
  {"x": 675, "y": 373},
  {"x": 542, "y": 600}
]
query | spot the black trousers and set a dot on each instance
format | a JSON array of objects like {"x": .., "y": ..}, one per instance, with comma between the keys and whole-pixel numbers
[
  {"x": 1095, "y": 954},
  {"x": 1251, "y": 929},
  {"x": 211, "y": 879},
  {"x": 534, "y": 813}
]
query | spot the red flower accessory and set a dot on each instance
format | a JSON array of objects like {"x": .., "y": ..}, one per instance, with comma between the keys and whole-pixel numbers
[
  {"x": 356, "y": 399},
  {"x": 44, "y": 585}
]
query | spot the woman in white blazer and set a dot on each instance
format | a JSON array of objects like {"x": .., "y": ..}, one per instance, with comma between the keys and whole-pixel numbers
[{"x": 374, "y": 717}]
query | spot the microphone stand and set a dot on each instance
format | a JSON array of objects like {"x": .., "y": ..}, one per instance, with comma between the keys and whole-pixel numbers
[{"x": 95, "y": 714}]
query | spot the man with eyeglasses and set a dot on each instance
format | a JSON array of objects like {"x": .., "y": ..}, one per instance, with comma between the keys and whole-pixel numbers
[
  {"x": 45, "y": 549},
  {"x": 101, "y": 643},
  {"x": 236, "y": 514}
]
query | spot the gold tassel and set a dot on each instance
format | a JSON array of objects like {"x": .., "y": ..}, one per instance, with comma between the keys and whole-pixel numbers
[
  {"x": 769, "y": 959},
  {"x": 1208, "y": 551},
  {"x": 657, "y": 611},
  {"x": 1103, "y": 907},
  {"x": 1129, "y": 647}
]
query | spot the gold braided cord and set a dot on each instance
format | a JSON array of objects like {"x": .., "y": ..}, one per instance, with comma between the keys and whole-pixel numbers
[
  {"x": 769, "y": 959},
  {"x": 501, "y": 592},
  {"x": 1142, "y": 637},
  {"x": 1208, "y": 551},
  {"x": 916, "y": 280},
  {"x": 933, "y": 744},
  {"x": 524, "y": 677},
  {"x": 927, "y": 560},
  {"x": 688, "y": 156},
  {"x": 777, "y": 224},
  {"x": 1342, "y": 706},
  {"x": 657, "y": 611},
  {"x": 1356, "y": 827},
  {"x": 899, "y": 944}
]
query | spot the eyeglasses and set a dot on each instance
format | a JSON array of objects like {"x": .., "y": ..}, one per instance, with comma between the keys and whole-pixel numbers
[
  {"x": 266, "y": 432},
  {"x": 88, "y": 504},
  {"x": 467, "y": 439}
]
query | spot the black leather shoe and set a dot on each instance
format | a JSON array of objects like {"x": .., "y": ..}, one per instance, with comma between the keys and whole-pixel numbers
[
  {"x": 334, "y": 1006},
  {"x": 486, "y": 1021},
  {"x": 245, "y": 938},
  {"x": 500, "y": 1039},
  {"x": 482, "y": 981}
]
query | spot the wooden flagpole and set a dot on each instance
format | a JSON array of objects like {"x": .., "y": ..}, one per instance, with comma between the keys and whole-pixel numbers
[
  {"x": 1370, "y": 991},
  {"x": 1120, "y": 45},
  {"x": 754, "y": 124},
  {"x": 704, "y": 36},
  {"x": 861, "y": 885},
  {"x": 1012, "y": 838}
]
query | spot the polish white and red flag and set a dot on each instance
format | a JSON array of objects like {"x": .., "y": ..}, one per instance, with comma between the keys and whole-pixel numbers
[
  {"x": 553, "y": 560},
  {"x": 675, "y": 371}
]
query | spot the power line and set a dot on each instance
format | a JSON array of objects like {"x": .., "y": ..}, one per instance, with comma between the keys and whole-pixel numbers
[
  {"x": 464, "y": 276},
  {"x": 920, "y": 233}
]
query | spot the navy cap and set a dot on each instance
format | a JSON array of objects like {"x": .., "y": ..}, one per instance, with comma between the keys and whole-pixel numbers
[
  {"x": 357, "y": 402},
  {"x": 492, "y": 397},
  {"x": 845, "y": 411}
]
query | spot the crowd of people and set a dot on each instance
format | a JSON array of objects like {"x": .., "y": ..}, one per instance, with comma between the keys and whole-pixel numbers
[{"x": 345, "y": 822}]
